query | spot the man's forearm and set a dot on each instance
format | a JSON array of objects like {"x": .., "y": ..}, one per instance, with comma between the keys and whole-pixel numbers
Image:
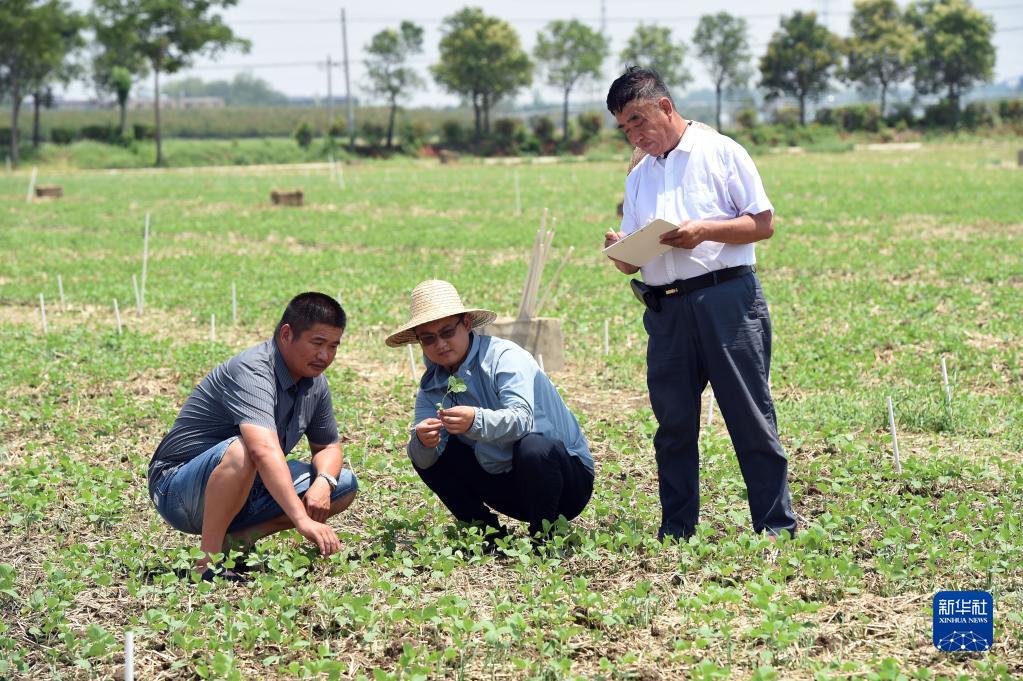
[
  {"x": 274, "y": 472},
  {"x": 744, "y": 229},
  {"x": 328, "y": 460}
]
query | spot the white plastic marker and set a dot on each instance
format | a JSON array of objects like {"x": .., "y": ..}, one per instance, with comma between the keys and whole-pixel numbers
[
  {"x": 411, "y": 362},
  {"x": 710, "y": 407},
  {"x": 42, "y": 312},
  {"x": 138, "y": 297},
  {"x": 895, "y": 438},
  {"x": 31, "y": 185},
  {"x": 145, "y": 262},
  {"x": 213, "y": 329},
  {"x": 129, "y": 656},
  {"x": 340, "y": 174},
  {"x": 607, "y": 340},
  {"x": 539, "y": 360},
  {"x": 117, "y": 314},
  {"x": 60, "y": 287},
  {"x": 944, "y": 380},
  {"x": 234, "y": 304},
  {"x": 518, "y": 200}
]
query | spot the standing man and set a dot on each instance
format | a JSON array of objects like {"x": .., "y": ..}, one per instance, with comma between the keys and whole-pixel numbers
[
  {"x": 221, "y": 471},
  {"x": 503, "y": 440},
  {"x": 707, "y": 319}
]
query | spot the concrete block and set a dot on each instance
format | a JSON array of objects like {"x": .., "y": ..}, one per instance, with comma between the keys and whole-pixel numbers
[
  {"x": 287, "y": 198},
  {"x": 539, "y": 336},
  {"x": 52, "y": 191}
]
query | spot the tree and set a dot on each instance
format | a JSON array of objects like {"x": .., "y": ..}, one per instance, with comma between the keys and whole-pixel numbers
[
  {"x": 35, "y": 41},
  {"x": 169, "y": 34},
  {"x": 117, "y": 60},
  {"x": 652, "y": 47},
  {"x": 387, "y": 69},
  {"x": 723, "y": 46},
  {"x": 569, "y": 51},
  {"x": 953, "y": 50},
  {"x": 482, "y": 60},
  {"x": 879, "y": 52},
  {"x": 801, "y": 59}
]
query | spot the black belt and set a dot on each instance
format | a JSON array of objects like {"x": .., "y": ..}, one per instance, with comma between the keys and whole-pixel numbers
[{"x": 703, "y": 281}]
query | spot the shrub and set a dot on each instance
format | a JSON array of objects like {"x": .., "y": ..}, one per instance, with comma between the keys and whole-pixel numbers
[
  {"x": 590, "y": 124},
  {"x": 303, "y": 134},
  {"x": 944, "y": 114},
  {"x": 5, "y": 137},
  {"x": 1011, "y": 110},
  {"x": 413, "y": 135},
  {"x": 544, "y": 129},
  {"x": 143, "y": 132},
  {"x": 900, "y": 117},
  {"x": 453, "y": 134},
  {"x": 787, "y": 116},
  {"x": 852, "y": 118},
  {"x": 373, "y": 133},
  {"x": 826, "y": 116},
  {"x": 62, "y": 135},
  {"x": 746, "y": 118},
  {"x": 508, "y": 137},
  {"x": 979, "y": 115},
  {"x": 108, "y": 134}
]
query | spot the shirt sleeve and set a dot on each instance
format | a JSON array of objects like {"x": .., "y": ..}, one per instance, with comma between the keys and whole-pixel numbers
[
  {"x": 629, "y": 222},
  {"x": 322, "y": 428},
  {"x": 514, "y": 377},
  {"x": 249, "y": 395},
  {"x": 745, "y": 188}
]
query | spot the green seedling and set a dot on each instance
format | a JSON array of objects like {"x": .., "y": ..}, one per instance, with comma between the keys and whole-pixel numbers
[{"x": 455, "y": 385}]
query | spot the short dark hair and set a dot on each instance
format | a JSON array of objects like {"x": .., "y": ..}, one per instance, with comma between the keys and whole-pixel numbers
[
  {"x": 308, "y": 309},
  {"x": 636, "y": 83}
]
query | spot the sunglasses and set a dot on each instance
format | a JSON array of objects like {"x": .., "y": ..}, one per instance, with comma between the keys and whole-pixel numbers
[{"x": 447, "y": 333}]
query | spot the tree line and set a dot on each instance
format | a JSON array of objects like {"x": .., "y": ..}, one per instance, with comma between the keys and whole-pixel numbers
[{"x": 943, "y": 47}]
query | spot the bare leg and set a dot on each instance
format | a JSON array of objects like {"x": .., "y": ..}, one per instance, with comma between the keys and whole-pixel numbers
[
  {"x": 226, "y": 491},
  {"x": 245, "y": 538}
]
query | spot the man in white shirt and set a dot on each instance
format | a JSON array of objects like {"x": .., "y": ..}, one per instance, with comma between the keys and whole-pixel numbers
[{"x": 707, "y": 318}]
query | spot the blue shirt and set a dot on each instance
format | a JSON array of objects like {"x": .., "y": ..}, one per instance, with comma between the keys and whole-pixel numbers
[{"x": 512, "y": 398}]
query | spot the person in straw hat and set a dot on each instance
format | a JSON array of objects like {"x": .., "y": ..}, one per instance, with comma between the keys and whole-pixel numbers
[{"x": 507, "y": 442}]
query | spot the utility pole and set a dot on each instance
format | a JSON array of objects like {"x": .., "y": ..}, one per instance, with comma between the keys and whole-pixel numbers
[
  {"x": 348, "y": 86},
  {"x": 330, "y": 94},
  {"x": 603, "y": 17}
]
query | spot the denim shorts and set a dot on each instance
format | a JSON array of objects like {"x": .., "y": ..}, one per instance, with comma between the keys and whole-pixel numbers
[{"x": 180, "y": 496}]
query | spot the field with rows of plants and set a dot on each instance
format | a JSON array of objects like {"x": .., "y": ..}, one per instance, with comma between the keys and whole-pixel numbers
[{"x": 883, "y": 263}]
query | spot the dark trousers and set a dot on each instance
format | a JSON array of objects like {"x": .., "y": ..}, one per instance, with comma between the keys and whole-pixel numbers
[
  {"x": 720, "y": 334},
  {"x": 545, "y": 481}
]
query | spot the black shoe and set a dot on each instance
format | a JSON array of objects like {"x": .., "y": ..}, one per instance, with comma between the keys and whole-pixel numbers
[{"x": 227, "y": 575}]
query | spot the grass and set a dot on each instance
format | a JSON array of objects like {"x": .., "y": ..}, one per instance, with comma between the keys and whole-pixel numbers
[{"x": 882, "y": 263}]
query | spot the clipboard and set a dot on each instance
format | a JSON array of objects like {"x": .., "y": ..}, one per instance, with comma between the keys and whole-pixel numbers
[{"x": 641, "y": 246}]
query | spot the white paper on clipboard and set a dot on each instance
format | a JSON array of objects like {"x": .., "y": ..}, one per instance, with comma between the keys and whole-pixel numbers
[{"x": 641, "y": 246}]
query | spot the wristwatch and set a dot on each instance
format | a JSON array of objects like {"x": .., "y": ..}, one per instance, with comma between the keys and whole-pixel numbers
[{"x": 331, "y": 480}]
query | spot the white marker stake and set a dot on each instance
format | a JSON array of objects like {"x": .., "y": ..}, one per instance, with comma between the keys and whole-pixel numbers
[
  {"x": 234, "y": 304},
  {"x": 340, "y": 175},
  {"x": 31, "y": 185},
  {"x": 518, "y": 200},
  {"x": 138, "y": 297},
  {"x": 607, "y": 340},
  {"x": 539, "y": 360},
  {"x": 411, "y": 363},
  {"x": 42, "y": 312},
  {"x": 895, "y": 439},
  {"x": 710, "y": 407},
  {"x": 145, "y": 262},
  {"x": 117, "y": 314},
  {"x": 333, "y": 170},
  {"x": 944, "y": 380},
  {"x": 129, "y": 656},
  {"x": 213, "y": 329},
  {"x": 60, "y": 287}
]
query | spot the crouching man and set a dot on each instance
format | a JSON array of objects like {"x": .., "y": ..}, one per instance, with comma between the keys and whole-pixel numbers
[
  {"x": 503, "y": 439},
  {"x": 221, "y": 471}
]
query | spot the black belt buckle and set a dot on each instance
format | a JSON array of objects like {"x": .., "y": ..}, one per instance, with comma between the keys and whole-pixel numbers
[{"x": 645, "y": 295}]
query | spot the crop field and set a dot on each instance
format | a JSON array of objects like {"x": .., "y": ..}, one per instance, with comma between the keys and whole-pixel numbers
[{"x": 883, "y": 263}]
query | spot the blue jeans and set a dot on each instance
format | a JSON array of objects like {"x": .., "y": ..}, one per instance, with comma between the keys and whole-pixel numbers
[{"x": 180, "y": 496}]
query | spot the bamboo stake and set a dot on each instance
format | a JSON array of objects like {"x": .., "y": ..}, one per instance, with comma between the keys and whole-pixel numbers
[
  {"x": 31, "y": 185},
  {"x": 523, "y": 312},
  {"x": 117, "y": 315},
  {"x": 895, "y": 438},
  {"x": 42, "y": 313},
  {"x": 138, "y": 296},
  {"x": 60, "y": 287},
  {"x": 540, "y": 268},
  {"x": 129, "y": 656},
  {"x": 944, "y": 380},
  {"x": 411, "y": 363},
  {"x": 552, "y": 285},
  {"x": 213, "y": 329},
  {"x": 145, "y": 262},
  {"x": 234, "y": 303}
]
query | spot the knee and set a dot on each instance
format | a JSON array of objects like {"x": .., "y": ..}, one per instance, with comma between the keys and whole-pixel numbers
[
  {"x": 238, "y": 459},
  {"x": 533, "y": 451}
]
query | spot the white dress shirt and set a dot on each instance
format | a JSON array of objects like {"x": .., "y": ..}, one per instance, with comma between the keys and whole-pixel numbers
[{"x": 708, "y": 176}]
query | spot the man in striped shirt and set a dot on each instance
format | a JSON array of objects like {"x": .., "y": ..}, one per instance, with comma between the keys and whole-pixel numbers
[{"x": 221, "y": 471}]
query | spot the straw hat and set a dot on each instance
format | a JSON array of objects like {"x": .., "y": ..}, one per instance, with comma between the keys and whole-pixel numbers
[{"x": 432, "y": 300}]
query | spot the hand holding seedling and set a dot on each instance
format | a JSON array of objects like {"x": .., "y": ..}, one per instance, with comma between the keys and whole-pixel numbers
[
  {"x": 428, "y": 432},
  {"x": 457, "y": 420},
  {"x": 455, "y": 385}
]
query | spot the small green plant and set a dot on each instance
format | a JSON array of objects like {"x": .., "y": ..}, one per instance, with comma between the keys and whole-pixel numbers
[{"x": 455, "y": 385}]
